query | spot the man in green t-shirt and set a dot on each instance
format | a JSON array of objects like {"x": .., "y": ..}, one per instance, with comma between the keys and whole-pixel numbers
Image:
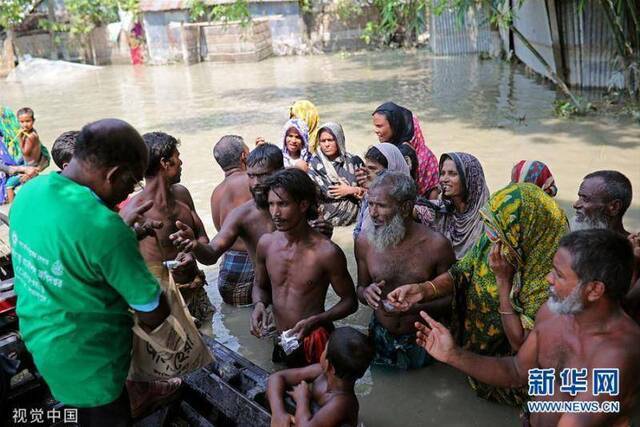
[{"x": 78, "y": 270}]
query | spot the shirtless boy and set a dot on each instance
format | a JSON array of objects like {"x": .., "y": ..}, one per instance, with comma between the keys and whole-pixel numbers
[
  {"x": 164, "y": 170},
  {"x": 294, "y": 267},
  {"x": 235, "y": 277},
  {"x": 581, "y": 326},
  {"x": 331, "y": 399},
  {"x": 396, "y": 251},
  {"x": 35, "y": 159}
]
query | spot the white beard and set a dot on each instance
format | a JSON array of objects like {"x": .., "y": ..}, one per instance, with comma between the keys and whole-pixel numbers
[
  {"x": 587, "y": 223},
  {"x": 572, "y": 304},
  {"x": 387, "y": 235}
]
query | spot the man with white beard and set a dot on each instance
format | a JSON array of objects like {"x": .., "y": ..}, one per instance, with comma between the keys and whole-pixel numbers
[
  {"x": 603, "y": 198},
  {"x": 393, "y": 252},
  {"x": 581, "y": 327}
]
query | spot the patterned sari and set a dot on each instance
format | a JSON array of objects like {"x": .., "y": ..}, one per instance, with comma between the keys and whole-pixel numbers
[
  {"x": 530, "y": 224},
  {"x": 10, "y": 153}
]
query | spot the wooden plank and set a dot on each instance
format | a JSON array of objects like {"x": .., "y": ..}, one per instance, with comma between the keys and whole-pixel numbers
[{"x": 556, "y": 38}]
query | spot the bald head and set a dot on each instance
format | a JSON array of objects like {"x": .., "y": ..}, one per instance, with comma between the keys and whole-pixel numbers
[
  {"x": 111, "y": 142},
  {"x": 228, "y": 152}
]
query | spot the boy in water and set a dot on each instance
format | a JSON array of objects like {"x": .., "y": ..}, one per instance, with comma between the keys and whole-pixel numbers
[
  {"x": 331, "y": 399},
  {"x": 33, "y": 153}
]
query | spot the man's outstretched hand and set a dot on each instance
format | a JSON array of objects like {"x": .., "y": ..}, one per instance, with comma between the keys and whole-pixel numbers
[
  {"x": 133, "y": 215},
  {"x": 435, "y": 338},
  {"x": 184, "y": 239}
]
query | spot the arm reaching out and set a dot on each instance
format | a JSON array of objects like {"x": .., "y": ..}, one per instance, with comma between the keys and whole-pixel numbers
[{"x": 261, "y": 292}]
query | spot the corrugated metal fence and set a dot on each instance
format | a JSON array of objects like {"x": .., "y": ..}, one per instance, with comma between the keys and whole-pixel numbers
[{"x": 450, "y": 37}]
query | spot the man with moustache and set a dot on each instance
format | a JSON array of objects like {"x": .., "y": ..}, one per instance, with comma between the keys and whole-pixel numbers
[
  {"x": 248, "y": 221},
  {"x": 294, "y": 267},
  {"x": 603, "y": 198},
  {"x": 582, "y": 326},
  {"x": 393, "y": 252}
]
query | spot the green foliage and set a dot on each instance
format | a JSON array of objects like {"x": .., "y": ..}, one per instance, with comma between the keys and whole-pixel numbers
[
  {"x": 305, "y": 6},
  {"x": 347, "y": 9},
  {"x": 567, "y": 109},
  {"x": 13, "y": 12},
  {"x": 85, "y": 15},
  {"x": 236, "y": 11},
  {"x": 399, "y": 22}
]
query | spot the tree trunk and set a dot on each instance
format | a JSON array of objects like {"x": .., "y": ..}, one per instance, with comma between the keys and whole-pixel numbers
[{"x": 8, "y": 54}]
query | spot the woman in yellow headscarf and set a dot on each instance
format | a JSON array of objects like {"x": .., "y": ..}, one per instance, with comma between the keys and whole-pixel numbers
[
  {"x": 305, "y": 110},
  {"x": 499, "y": 285}
]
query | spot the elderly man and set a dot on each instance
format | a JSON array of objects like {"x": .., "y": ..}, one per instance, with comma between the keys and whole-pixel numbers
[
  {"x": 78, "y": 271},
  {"x": 582, "y": 352},
  {"x": 394, "y": 252},
  {"x": 235, "y": 276},
  {"x": 603, "y": 198}
]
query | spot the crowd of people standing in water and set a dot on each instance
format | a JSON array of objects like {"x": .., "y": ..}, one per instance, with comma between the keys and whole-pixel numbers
[{"x": 493, "y": 284}]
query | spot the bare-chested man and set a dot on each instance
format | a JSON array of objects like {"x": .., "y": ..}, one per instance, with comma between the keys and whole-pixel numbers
[
  {"x": 397, "y": 251},
  {"x": 235, "y": 277},
  {"x": 294, "y": 267},
  {"x": 581, "y": 326},
  {"x": 164, "y": 170},
  {"x": 248, "y": 221}
]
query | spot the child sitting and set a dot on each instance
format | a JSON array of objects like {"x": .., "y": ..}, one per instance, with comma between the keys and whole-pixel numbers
[
  {"x": 34, "y": 155},
  {"x": 331, "y": 399}
]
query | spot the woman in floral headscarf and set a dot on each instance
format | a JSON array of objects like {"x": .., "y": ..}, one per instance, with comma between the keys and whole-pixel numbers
[
  {"x": 536, "y": 173},
  {"x": 295, "y": 144},
  {"x": 397, "y": 125},
  {"x": 500, "y": 283}
]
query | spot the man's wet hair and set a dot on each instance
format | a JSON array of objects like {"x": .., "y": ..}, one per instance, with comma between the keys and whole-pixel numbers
[
  {"x": 408, "y": 151},
  {"x": 376, "y": 155},
  {"x": 63, "y": 147},
  {"x": 266, "y": 155},
  {"x": 616, "y": 185},
  {"x": 161, "y": 146},
  {"x": 228, "y": 150},
  {"x": 601, "y": 255},
  {"x": 108, "y": 143},
  {"x": 25, "y": 111},
  {"x": 402, "y": 188},
  {"x": 298, "y": 185},
  {"x": 349, "y": 352}
]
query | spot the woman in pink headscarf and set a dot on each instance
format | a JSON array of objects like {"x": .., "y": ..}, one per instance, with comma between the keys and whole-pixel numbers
[
  {"x": 397, "y": 125},
  {"x": 535, "y": 172}
]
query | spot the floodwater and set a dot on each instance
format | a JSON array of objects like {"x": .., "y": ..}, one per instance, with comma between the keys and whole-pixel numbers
[{"x": 487, "y": 108}]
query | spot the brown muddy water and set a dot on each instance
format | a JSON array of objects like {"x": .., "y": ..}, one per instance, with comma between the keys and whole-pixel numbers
[{"x": 487, "y": 108}]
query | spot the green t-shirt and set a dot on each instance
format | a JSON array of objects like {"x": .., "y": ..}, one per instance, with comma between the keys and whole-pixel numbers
[{"x": 77, "y": 270}]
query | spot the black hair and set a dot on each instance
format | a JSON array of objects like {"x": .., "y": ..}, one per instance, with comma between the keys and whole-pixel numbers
[
  {"x": 601, "y": 255},
  {"x": 63, "y": 147},
  {"x": 408, "y": 151},
  {"x": 228, "y": 150},
  {"x": 374, "y": 154},
  {"x": 299, "y": 186},
  {"x": 25, "y": 110},
  {"x": 617, "y": 186},
  {"x": 349, "y": 352},
  {"x": 161, "y": 146},
  {"x": 266, "y": 155},
  {"x": 109, "y": 142}
]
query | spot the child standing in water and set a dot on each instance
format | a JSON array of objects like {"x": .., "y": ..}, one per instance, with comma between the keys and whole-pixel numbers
[
  {"x": 34, "y": 155},
  {"x": 330, "y": 399}
]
